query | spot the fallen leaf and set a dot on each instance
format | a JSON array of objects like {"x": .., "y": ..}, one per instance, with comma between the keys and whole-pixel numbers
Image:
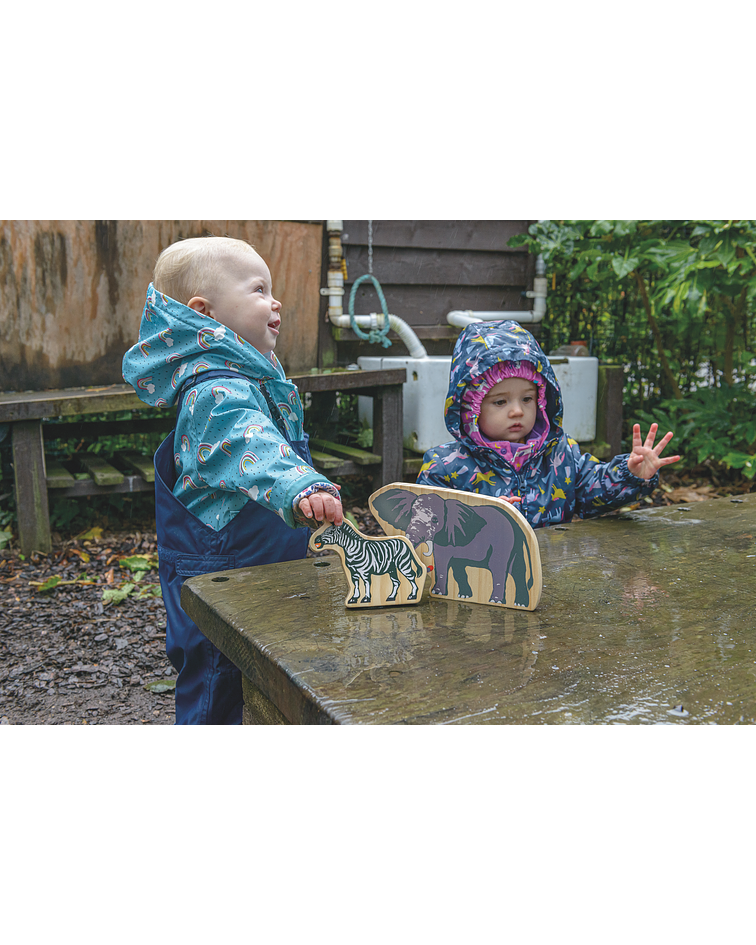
[
  {"x": 95, "y": 532},
  {"x": 161, "y": 685},
  {"x": 138, "y": 562},
  {"x": 50, "y": 583},
  {"x": 686, "y": 494},
  {"x": 116, "y": 595}
]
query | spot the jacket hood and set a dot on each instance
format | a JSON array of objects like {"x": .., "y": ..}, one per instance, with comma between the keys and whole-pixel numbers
[
  {"x": 481, "y": 346},
  {"x": 176, "y": 342}
]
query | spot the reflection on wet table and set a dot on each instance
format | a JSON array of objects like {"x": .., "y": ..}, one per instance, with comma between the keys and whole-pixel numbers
[{"x": 645, "y": 617}]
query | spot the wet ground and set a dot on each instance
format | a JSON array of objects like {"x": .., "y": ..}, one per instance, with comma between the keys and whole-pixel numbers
[
  {"x": 76, "y": 653},
  {"x": 67, "y": 655}
]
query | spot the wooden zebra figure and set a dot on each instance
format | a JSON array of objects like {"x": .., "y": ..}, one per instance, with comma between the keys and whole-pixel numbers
[{"x": 375, "y": 562}]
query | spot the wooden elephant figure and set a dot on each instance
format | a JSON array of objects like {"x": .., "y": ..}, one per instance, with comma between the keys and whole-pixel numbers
[{"x": 464, "y": 530}]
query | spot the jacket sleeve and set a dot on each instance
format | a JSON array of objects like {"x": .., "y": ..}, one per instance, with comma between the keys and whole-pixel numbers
[
  {"x": 432, "y": 471},
  {"x": 235, "y": 445},
  {"x": 601, "y": 487}
]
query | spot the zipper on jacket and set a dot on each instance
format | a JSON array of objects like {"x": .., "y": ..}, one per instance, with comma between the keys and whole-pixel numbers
[{"x": 275, "y": 413}]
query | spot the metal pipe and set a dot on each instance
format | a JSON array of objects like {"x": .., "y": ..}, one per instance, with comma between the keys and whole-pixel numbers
[
  {"x": 375, "y": 321},
  {"x": 335, "y": 293},
  {"x": 461, "y": 319}
]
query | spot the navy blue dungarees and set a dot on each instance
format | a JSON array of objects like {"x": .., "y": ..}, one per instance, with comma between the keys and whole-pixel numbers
[{"x": 208, "y": 688}]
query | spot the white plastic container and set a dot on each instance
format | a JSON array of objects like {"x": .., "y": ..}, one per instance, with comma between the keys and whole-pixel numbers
[
  {"x": 428, "y": 382},
  {"x": 424, "y": 397},
  {"x": 578, "y": 380}
]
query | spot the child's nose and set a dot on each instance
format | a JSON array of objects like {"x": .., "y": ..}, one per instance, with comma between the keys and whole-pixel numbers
[
  {"x": 516, "y": 409},
  {"x": 275, "y": 305}
]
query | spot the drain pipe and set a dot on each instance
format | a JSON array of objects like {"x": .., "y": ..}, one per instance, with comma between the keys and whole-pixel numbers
[
  {"x": 335, "y": 290},
  {"x": 375, "y": 321},
  {"x": 461, "y": 319},
  {"x": 335, "y": 293}
]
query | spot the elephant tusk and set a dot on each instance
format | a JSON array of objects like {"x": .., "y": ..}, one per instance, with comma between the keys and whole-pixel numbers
[{"x": 429, "y": 552}]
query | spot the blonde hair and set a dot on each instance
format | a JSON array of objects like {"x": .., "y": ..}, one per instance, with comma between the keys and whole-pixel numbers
[{"x": 194, "y": 266}]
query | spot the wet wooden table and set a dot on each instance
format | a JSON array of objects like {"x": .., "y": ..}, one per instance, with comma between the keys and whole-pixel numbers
[{"x": 645, "y": 617}]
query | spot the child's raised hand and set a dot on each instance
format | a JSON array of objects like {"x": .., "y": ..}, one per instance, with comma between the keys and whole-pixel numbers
[
  {"x": 645, "y": 459},
  {"x": 323, "y": 507}
]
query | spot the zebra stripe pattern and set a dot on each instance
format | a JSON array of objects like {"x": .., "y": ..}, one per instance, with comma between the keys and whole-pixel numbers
[{"x": 366, "y": 557}]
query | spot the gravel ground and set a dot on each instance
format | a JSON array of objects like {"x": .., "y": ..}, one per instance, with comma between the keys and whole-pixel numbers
[{"x": 70, "y": 656}]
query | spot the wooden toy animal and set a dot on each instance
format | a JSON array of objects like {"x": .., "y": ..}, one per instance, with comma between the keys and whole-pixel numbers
[
  {"x": 477, "y": 540},
  {"x": 370, "y": 560}
]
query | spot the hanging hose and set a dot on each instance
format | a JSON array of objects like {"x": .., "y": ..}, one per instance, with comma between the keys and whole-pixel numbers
[{"x": 373, "y": 336}]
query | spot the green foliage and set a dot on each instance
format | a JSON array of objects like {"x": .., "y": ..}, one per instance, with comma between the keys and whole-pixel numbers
[
  {"x": 674, "y": 301},
  {"x": 711, "y": 425},
  {"x": 66, "y": 447}
]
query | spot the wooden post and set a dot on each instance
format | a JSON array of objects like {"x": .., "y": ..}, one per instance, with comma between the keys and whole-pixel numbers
[
  {"x": 611, "y": 379},
  {"x": 31, "y": 487},
  {"x": 388, "y": 439}
]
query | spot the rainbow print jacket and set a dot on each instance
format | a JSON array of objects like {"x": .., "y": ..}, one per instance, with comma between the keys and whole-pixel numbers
[
  {"x": 228, "y": 450},
  {"x": 558, "y": 481}
]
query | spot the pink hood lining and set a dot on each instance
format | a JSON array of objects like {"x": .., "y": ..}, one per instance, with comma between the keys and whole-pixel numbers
[{"x": 515, "y": 454}]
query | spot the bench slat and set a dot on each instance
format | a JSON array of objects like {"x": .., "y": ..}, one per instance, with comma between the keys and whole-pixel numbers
[
  {"x": 349, "y": 452},
  {"x": 139, "y": 463},
  {"x": 323, "y": 460},
  {"x": 57, "y": 476},
  {"x": 101, "y": 471}
]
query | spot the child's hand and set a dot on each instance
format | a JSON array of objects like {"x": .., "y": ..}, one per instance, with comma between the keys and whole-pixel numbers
[
  {"x": 323, "y": 507},
  {"x": 645, "y": 460}
]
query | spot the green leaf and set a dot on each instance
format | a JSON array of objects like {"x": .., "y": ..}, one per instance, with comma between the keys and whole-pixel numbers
[
  {"x": 49, "y": 584},
  {"x": 138, "y": 563},
  {"x": 518, "y": 240},
  {"x": 739, "y": 460},
  {"x": 579, "y": 268},
  {"x": 601, "y": 227},
  {"x": 725, "y": 251},
  {"x": 117, "y": 595},
  {"x": 160, "y": 685},
  {"x": 623, "y": 266},
  {"x": 5, "y": 538}
]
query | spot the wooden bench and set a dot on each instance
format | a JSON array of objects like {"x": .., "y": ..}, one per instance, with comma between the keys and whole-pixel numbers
[{"x": 34, "y": 475}]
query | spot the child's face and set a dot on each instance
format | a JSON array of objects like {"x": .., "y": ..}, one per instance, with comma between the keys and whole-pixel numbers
[
  {"x": 243, "y": 301},
  {"x": 509, "y": 410}
]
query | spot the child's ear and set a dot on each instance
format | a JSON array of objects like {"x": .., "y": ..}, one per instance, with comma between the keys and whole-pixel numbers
[{"x": 199, "y": 305}]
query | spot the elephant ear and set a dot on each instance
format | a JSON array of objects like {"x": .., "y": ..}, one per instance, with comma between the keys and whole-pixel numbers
[
  {"x": 462, "y": 524},
  {"x": 395, "y": 506}
]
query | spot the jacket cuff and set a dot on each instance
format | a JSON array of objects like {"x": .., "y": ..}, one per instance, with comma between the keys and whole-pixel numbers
[
  {"x": 631, "y": 478},
  {"x": 324, "y": 486}
]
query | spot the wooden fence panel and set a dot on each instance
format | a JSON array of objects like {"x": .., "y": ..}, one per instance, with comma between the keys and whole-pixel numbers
[{"x": 72, "y": 292}]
